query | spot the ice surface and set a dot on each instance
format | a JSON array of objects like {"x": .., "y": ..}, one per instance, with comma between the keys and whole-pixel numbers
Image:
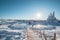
[{"x": 35, "y": 35}]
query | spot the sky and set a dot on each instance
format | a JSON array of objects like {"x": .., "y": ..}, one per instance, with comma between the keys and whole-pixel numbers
[{"x": 29, "y": 9}]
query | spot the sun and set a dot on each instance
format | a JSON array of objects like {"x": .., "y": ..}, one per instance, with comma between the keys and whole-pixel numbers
[{"x": 39, "y": 15}]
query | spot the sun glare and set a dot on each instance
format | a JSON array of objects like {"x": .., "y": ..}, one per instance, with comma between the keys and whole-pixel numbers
[{"x": 39, "y": 15}]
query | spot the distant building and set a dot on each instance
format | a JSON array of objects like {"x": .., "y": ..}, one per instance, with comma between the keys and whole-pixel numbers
[{"x": 51, "y": 18}]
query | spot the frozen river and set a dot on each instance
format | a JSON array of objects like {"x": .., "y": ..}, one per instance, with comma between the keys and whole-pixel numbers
[{"x": 35, "y": 32}]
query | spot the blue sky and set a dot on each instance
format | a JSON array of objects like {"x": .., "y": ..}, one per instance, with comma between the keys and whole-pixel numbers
[{"x": 27, "y": 9}]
